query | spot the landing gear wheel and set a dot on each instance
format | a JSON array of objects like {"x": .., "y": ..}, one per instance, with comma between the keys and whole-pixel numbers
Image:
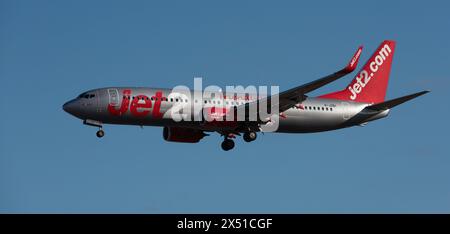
[
  {"x": 100, "y": 133},
  {"x": 250, "y": 136},
  {"x": 227, "y": 144}
]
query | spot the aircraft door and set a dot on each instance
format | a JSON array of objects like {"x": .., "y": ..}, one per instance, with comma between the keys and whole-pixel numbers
[
  {"x": 345, "y": 110},
  {"x": 113, "y": 97},
  {"x": 97, "y": 101}
]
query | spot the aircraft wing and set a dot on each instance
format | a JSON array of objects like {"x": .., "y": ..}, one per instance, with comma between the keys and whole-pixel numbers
[{"x": 291, "y": 97}]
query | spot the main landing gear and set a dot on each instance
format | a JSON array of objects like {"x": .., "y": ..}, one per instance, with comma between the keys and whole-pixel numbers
[
  {"x": 249, "y": 136},
  {"x": 227, "y": 144}
]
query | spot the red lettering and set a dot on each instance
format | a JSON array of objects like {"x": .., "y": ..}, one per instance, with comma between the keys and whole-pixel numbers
[
  {"x": 124, "y": 105},
  {"x": 156, "y": 113},
  {"x": 135, "y": 104},
  {"x": 140, "y": 105}
]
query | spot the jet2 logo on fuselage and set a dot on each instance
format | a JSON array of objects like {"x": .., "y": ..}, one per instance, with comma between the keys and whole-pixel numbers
[{"x": 139, "y": 106}]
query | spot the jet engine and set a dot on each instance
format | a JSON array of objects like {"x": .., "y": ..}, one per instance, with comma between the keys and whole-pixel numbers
[{"x": 185, "y": 135}]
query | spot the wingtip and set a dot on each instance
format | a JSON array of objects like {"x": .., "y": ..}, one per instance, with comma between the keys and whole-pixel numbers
[{"x": 354, "y": 61}]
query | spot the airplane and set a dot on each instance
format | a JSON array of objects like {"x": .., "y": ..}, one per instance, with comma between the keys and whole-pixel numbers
[{"x": 361, "y": 102}]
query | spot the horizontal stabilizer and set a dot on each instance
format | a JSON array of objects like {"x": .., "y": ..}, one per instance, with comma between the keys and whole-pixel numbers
[{"x": 394, "y": 102}]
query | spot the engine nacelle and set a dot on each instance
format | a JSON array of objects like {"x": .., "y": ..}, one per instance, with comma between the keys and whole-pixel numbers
[{"x": 185, "y": 135}]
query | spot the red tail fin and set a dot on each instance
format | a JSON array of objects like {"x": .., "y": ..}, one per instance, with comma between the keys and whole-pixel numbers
[{"x": 371, "y": 82}]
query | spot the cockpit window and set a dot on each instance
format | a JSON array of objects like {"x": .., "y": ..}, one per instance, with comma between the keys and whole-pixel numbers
[{"x": 86, "y": 95}]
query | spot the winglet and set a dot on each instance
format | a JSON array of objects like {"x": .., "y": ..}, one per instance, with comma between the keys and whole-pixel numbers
[
  {"x": 354, "y": 61},
  {"x": 370, "y": 83}
]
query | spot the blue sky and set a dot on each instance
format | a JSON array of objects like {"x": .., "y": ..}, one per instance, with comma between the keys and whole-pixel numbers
[{"x": 50, "y": 51}]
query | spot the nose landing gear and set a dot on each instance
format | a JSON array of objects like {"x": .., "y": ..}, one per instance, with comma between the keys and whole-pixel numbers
[{"x": 100, "y": 133}]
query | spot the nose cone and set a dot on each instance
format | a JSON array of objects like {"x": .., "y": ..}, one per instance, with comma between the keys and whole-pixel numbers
[{"x": 70, "y": 107}]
